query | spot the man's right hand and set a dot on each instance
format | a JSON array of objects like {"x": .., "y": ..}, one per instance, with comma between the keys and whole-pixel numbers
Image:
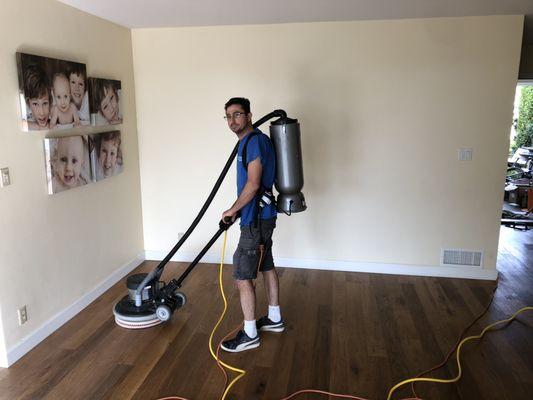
[
  {"x": 226, "y": 222},
  {"x": 230, "y": 214}
]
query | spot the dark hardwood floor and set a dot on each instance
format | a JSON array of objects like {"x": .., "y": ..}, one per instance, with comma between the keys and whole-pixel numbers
[{"x": 349, "y": 333}]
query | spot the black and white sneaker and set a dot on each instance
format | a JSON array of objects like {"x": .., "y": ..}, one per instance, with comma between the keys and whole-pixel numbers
[
  {"x": 265, "y": 324},
  {"x": 241, "y": 342}
]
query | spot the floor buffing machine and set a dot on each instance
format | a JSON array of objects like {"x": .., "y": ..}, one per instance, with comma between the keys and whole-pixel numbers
[{"x": 151, "y": 301}]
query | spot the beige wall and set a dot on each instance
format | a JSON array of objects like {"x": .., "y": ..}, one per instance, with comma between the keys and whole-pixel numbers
[
  {"x": 55, "y": 249},
  {"x": 384, "y": 107}
]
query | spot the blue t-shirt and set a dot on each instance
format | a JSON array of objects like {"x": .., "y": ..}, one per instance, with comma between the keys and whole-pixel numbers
[{"x": 259, "y": 146}]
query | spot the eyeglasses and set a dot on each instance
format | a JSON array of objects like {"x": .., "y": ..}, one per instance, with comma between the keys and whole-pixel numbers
[{"x": 235, "y": 115}]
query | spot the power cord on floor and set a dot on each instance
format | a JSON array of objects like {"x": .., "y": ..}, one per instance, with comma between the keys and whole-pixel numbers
[
  {"x": 458, "y": 353},
  {"x": 219, "y": 362},
  {"x": 458, "y": 341},
  {"x": 418, "y": 378}
]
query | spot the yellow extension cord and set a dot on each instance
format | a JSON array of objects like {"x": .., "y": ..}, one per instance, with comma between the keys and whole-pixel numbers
[
  {"x": 395, "y": 387},
  {"x": 458, "y": 353},
  {"x": 240, "y": 371}
]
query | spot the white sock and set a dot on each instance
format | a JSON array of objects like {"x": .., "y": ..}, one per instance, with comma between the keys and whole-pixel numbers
[
  {"x": 250, "y": 328},
  {"x": 274, "y": 313}
]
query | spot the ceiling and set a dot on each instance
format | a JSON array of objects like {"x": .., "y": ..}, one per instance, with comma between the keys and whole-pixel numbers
[{"x": 174, "y": 13}]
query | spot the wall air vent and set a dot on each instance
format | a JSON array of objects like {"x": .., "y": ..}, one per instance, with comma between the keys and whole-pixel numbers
[{"x": 459, "y": 257}]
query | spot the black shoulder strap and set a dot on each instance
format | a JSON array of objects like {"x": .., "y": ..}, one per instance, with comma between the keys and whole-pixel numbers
[{"x": 245, "y": 148}]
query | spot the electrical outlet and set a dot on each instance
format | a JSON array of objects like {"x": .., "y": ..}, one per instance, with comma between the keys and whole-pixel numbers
[
  {"x": 23, "y": 315},
  {"x": 6, "y": 180}
]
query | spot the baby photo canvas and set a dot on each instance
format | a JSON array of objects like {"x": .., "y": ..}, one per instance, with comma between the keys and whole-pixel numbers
[
  {"x": 67, "y": 163},
  {"x": 53, "y": 93}
]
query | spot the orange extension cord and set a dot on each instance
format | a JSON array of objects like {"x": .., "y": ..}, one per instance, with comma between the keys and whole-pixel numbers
[{"x": 452, "y": 350}]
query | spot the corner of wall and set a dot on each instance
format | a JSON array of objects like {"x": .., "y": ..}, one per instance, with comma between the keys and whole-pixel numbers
[{"x": 3, "y": 350}]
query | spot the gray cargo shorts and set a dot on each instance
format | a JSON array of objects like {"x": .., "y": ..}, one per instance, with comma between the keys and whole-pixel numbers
[{"x": 246, "y": 257}]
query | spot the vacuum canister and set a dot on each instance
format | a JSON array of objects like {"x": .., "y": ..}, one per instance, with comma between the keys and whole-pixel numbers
[{"x": 285, "y": 135}]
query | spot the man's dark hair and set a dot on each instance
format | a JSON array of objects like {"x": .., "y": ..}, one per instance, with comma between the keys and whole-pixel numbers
[
  {"x": 244, "y": 103},
  {"x": 36, "y": 83}
]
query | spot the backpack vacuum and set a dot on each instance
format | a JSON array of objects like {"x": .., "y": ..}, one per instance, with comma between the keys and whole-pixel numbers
[{"x": 151, "y": 301}]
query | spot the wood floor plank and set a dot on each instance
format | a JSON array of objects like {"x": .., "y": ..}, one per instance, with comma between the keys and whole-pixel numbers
[
  {"x": 146, "y": 359},
  {"x": 114, "y": 377}
]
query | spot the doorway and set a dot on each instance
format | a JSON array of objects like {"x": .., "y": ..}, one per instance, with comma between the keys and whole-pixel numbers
[{"x": 517, "y": 212}]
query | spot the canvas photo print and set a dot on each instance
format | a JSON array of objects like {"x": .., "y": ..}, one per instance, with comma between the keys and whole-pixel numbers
[
  {"x": 67, "y": 163},
  {"x": 53, "y": 93},
  {"x": 106, "y": 154},
  {"x": 105, "y": 101}
]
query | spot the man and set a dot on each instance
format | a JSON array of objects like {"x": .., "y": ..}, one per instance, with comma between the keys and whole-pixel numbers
[{"x": 255, "y": 176}]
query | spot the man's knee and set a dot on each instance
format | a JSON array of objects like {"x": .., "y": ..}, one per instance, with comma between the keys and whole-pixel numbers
[
  {"x": 243, "y": 284},
  {"x": 269, "y": 273}
]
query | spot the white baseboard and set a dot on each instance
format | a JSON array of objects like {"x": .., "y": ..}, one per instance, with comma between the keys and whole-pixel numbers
[
  {"x": 462, "y": 272},
  {"x": 349, "y": 266},
  {"x": 54, "y": 323}
]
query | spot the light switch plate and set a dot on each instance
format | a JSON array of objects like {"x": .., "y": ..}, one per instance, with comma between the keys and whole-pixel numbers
[
  {"x": 465, "y": 154},
  {"x": 23, "y": 315},
  {"x": 6, "y": 180}
]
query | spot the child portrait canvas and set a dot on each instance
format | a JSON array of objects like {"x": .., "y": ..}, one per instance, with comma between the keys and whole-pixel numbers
[
  {"x": 105, "y": 101},
  {"x": 53, "y": 93},
  {"x": 106, "y": 154},
  {"x": 67, "y": 163}
]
